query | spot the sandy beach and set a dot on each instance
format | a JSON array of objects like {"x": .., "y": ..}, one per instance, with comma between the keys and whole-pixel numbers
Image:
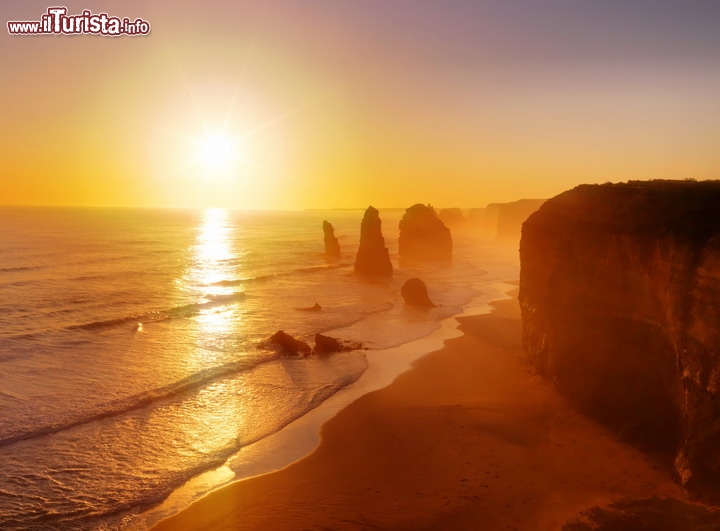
[{"x": 468, "y": 438}]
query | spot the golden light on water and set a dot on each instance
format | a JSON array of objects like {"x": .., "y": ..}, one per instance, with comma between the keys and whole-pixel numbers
[
  {"x": 215, "y": 320},
  {"x": 213, "y": 252},
  {"x": 214, "y": 421},
  {"x": 213, "y": 260}
]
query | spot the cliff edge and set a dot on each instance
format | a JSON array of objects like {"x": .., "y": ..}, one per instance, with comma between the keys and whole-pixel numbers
[{"x": 620, "y": 301}]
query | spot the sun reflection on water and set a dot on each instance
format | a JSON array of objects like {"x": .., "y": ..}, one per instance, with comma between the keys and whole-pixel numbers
[
  {"x": 215, "y": 417},
  {"x": 214, "y": 262},
  {"x": 213, "y": 252}
]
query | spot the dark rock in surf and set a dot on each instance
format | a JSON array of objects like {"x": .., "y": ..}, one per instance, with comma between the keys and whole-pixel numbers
[
  {"x": 332, "y": 247},
  {"x": 326, "y": 345},
  {"x": 415, "y": 293},
  {"x": 423, "y": 236},
  {"x": 372, "y": 256},
  {"x": 288, "y": 344},
  {"x": 315, "y": 308}
]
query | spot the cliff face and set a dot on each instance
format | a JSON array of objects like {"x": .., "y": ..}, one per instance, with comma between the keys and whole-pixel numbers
[{"x": 620, "y": 299}]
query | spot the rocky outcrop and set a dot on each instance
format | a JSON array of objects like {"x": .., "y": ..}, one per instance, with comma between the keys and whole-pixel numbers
[
  {"x": 423, "y": 236},
  {"x": 415, "y": 293},
  {"x": 620, "y": 300},
  {"x": 314, "y": 308},
  {"x": 288, "y": 345},
  {"x": 511, "y": 216},
  {"x": 326, "y": 344},
  {"x": 452, "y": 217},
  {"x": 329, "y": 345},
  {"x": 372, "y": 256},
  {"x": 332, "y": 246}
]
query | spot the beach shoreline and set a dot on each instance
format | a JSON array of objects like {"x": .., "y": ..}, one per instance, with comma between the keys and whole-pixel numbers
[
  {"x": 302, "y": 436},
  {"x": 468, "y": 435}
]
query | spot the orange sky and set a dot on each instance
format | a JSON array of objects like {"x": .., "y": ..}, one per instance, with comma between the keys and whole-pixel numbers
[{"x": 342, "y": 104}]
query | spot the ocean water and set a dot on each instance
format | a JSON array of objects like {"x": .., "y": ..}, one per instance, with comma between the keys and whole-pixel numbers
[{"x": 129, "y": 344}]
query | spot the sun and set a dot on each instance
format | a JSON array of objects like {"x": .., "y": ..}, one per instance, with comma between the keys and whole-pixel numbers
[{"x": 217, "y": 151}]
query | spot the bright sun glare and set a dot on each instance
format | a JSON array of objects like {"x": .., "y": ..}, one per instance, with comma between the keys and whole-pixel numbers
[{"x": 217, "y": 151}]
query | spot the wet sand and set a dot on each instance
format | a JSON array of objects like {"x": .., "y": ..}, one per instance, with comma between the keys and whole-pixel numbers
[{"x": 468, "y": 438}]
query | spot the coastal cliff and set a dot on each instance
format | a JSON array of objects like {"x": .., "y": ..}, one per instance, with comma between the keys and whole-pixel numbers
[{"x": 620, "y": 301}]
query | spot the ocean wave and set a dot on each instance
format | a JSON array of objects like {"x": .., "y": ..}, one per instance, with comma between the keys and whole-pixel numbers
[
  {"x": 156, "y": 316},
  {"x": 114, "y": 275},
  {"x": 140, "y": 400},
  {"x": 261, "y": 278},
  {"x": 114, "y": 504},
  {"x": 18, "y": 268}
]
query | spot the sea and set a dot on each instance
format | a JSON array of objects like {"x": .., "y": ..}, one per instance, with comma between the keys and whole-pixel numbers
[{"x": 133, "y": 354}]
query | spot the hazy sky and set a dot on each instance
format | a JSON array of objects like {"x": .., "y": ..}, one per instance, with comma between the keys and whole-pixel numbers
[{"x": 336, "y": 103}]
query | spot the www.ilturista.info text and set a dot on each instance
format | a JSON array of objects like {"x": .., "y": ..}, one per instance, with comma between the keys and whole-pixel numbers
[{"x": 57, "y": 22}]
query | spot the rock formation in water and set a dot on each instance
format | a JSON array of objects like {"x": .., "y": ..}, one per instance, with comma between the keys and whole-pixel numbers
[
  {"x": 423, "y": 237},
  {"x": 326, "y": 345},
  {"x": 332, "y": 246},
  {"x": 452, "y": 217},
  {"x": 288, "y": 344},
  {"x": 415, "y": 293},
  {"x": 620, "y": 300},
  {"x": 511, "y": 216},
  {"x": 330, "y": 345},
  {"x": 314, "y": 308},
  {"x": 372, "y": 256}
]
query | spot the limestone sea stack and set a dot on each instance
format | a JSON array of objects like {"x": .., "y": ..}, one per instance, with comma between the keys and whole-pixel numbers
[
  {"x": 415, "y": 293},
  {"x": 511, "y": 216},
  {"x": 452, "y": 217},
  {"x": 372, "y": 257},
  {"x": 332, "y": 246},
  {"x": 423, "y": 236},
  {"x": 620, "y": 300}
]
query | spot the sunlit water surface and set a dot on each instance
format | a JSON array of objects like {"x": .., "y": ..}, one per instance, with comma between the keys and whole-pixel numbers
[{"x": 129, "y": 357}]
